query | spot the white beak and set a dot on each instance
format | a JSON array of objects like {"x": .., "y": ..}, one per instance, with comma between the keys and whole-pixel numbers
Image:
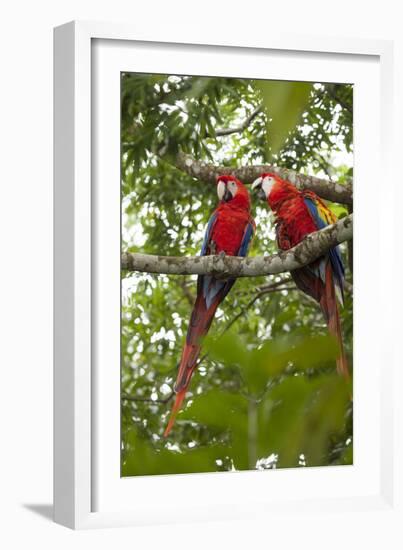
[{"x": 221, "y": 190}]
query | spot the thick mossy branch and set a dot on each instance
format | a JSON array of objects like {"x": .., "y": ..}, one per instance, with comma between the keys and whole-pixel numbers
[
  {"x": 313, "y": 246},
  {"x": 208, "y": 173}
]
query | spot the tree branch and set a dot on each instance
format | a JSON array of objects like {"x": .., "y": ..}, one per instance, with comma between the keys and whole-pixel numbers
[
  {"x": 269, "y": 289},
  {"x": 208, "y": 173},
  {"x": 333, "y": 95},
  {"x": 268, "y": 286},
  {"x": 274, "y": 288},
  {"x": 134, "y": 398},
  {"x": 241, "y": 127},
  {"x": 224, "y": 267}
]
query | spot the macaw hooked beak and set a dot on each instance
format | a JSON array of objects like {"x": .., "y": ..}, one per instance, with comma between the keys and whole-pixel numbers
[
  {"x": 227, "y": 195},
  {"x": 261, "y": 194},
  {"x": 258, "y": 187}
]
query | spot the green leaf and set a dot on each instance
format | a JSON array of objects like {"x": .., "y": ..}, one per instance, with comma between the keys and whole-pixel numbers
[
  {"x": 284, "y": 103},
  {"x": 262, "y": 386},
  {"x": 308, "y": 352},
  {"x": 217, "y": 408},
  {"x": 144, "y": 459},
  {"x": 299, "y": 416}
]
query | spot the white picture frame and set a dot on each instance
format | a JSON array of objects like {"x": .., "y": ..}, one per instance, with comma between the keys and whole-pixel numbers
[{"x": 78, "y": 418}]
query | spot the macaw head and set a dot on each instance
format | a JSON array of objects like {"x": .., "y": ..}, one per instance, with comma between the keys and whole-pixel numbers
[
  {"x": 273, "y": 189},
  {"x": 231, "y": 190}
]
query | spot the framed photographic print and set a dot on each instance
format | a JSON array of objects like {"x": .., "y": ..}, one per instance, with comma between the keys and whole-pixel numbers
[{"x": 213, "y": 335}]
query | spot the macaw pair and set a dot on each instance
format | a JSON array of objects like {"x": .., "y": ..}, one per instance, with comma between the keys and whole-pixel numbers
[{"x": 230, "y": 230}]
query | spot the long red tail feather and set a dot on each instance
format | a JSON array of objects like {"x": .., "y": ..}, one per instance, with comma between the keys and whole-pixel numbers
[
  {"x": 177, "y": 405},
  {"x": 189, "y": 358},
  {"x": 331, "y": 311},
  {"x": 200, "y": 324},
  {"x": 335, "y": 329}
]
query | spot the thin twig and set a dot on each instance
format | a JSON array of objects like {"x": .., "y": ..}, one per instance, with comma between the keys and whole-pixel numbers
[
  {"x": 274, "y": 284},
  {"x": 244, "y": 310},
  {"x": 241, "y": 127},
  {"x": 186, "y": 291},
  {"x": 333, "y": 95},
  {"x": 165, "y": 400}
]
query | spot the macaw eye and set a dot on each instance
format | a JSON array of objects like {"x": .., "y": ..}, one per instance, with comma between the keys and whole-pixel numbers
[
  {"x": 267, "y": 185},
  {"x": 232, "y": 188}
]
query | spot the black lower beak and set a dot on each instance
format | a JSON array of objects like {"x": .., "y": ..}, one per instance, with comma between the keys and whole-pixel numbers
[
  {"x": 261, "y": 194},
  {"x": 227, "y": 195}
]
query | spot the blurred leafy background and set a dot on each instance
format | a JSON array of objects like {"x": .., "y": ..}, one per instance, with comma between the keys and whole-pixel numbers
[{"x": 265, "y": 394}]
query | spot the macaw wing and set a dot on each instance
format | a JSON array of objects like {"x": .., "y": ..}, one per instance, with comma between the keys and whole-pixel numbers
[
  {"x": 208, "y": 286},
  {"x": 322, "y": 216},
  {"x": 207, "y": 235},
  {"x": 211, "y": 288},
  {"x": 246, "y": 239}
]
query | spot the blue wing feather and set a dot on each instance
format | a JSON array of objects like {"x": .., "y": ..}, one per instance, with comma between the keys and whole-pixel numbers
[
  {"x": 207, "y": 235},
  {"x": 313, "y": 209},
  {"x": 246, "y": 240},
  {"x": 208, "y": 284},
  {"x": 334, "y": 253}
]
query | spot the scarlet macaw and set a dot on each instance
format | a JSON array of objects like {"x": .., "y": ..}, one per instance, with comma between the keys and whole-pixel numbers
[
  {"x": 299, "y": 213},
  {"x": 229, "y": 231}
]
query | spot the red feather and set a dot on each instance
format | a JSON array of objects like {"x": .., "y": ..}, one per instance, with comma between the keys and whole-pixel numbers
[
  {"x": 330, "y": 309},
  {"x": 231, "y": 220},
  {"x": 293, "y": 222}
]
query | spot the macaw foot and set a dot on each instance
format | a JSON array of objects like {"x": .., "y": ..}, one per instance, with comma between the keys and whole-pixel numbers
[{"x": 223, "y": 275}]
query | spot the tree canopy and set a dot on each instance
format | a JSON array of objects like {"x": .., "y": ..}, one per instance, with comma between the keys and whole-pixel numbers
[{"x": 265, "y": 394}]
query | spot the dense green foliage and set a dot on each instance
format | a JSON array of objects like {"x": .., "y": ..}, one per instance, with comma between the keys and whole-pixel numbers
[{"x": 266, "y": 395}]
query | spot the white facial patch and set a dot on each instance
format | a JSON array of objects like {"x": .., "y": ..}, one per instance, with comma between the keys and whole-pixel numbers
[
  {"x": 221, "y": 190},
  {"x": 267, "y": 185},
  {"x": 232, "y": 188}
]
